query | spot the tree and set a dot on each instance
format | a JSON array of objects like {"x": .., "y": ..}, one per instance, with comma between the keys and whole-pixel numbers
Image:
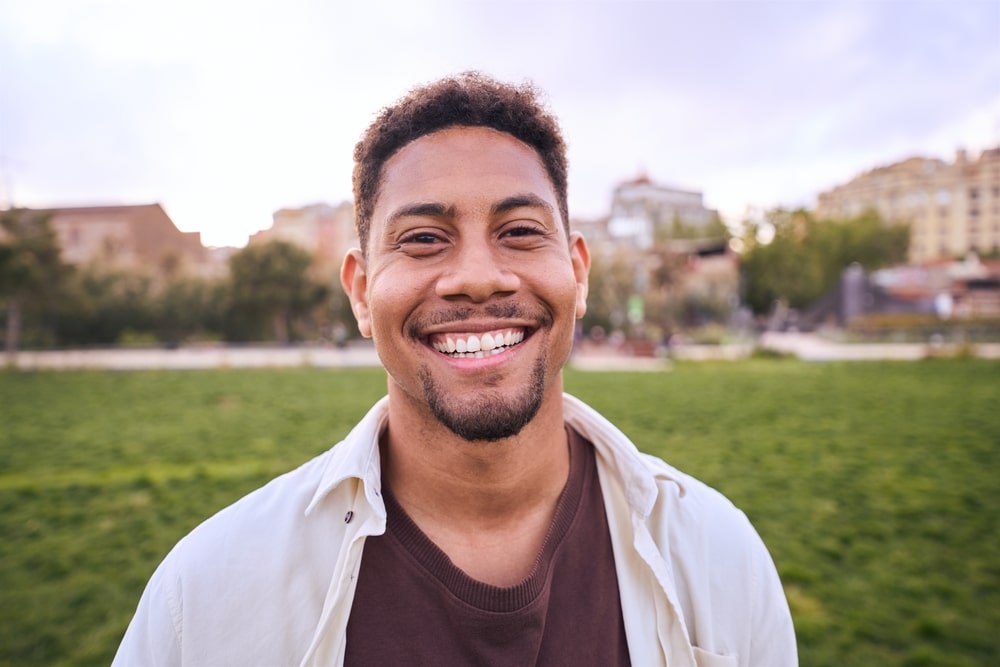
[
  {"x": 612, "y": 282},
  {"x": 271, "y": 287},
  {"x": 104, "y": 308},
  {"x": 805, "y": 257},
  {"x": 31, "y": 268},
  {"x": 189, "y": 306}
]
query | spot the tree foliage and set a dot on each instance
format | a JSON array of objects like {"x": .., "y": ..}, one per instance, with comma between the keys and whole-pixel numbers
[
  {"x": 32, "y": 272},
  {"x": 612, "y": 282},
  {"x": 271, "y": 287},
  {"x": 189, "y": 308},
  {"x": 805, "y": 257},
  {"x": 103, "y": 308}
]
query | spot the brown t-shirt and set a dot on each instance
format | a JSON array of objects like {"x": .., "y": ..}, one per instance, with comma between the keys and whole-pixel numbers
[{"x": 413, "y": 606}]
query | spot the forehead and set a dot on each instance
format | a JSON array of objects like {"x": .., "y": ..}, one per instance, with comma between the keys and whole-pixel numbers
[{"x": 463, "y": 162}]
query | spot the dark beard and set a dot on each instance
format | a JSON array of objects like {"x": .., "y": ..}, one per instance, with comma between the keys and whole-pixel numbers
[{"x": 493, "y": 416}]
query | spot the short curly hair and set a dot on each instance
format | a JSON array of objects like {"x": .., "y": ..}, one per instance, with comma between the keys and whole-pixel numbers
[{"x": 470, "y": 99}]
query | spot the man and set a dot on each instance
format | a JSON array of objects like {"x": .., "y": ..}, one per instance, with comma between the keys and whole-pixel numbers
[{"x": 476, "y": 515}]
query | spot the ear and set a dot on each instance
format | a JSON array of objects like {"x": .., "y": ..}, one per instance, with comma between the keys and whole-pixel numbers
[
  {"x": 580, "y": 256},
  {"x": 354, "y": 280}
]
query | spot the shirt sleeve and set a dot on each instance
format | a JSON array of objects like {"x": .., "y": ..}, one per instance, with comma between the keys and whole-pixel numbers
[
  {"x": 153, "y": 637},
  {"x": 773, "y": 641}
]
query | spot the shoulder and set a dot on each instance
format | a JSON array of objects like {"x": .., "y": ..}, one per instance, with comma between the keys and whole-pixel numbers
[
  {"x": 669, "y": 499},
  {"x": 695, "y": 518},
  {"x": 726, "y": 582},
  {"x": 702, "y": 549},
  {"x": 248, "y": 584}
]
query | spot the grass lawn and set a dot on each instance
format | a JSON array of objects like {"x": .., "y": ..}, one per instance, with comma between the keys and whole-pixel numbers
[{"x": 874, "y": 485}]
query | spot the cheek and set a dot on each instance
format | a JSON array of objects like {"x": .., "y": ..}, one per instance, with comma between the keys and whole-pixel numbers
[
  {"x": 564, "y": 293},
  {"x": 390, "y": 302}
]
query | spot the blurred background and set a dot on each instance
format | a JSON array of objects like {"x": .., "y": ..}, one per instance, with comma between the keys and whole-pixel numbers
[{"x": 179, "y": 173}]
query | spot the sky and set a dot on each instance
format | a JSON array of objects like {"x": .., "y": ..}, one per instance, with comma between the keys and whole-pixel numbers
[{"x": 226, "y": 111}]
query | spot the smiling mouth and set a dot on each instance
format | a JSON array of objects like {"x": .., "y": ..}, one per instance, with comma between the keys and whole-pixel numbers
[{"x": 476, "y": 346}]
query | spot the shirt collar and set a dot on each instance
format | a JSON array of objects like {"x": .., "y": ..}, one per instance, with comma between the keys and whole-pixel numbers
[
  {"x": 639, "y": 479},
  {"x": 357, "y": 457}
]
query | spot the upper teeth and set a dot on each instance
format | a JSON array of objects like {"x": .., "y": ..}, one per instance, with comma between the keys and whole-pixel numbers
[{"x": 478, "y": 345}]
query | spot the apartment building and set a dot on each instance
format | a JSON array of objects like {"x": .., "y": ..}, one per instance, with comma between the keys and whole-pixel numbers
[
  {"x": 140, "y": 238},
  {"x": 325, "y": 231},
  {"x": 953, "y": 208}
]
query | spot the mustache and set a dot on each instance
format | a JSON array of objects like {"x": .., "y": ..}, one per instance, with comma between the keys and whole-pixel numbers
[{"x": 502, "y": 311}]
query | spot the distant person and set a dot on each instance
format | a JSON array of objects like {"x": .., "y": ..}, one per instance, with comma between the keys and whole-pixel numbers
[{"x": 477, "y": 515}]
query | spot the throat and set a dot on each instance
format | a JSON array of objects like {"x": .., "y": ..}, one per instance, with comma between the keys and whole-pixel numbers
[{"x": 490, "y": 518}]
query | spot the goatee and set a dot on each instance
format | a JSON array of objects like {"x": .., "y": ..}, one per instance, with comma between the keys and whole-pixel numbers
[{"x": 490, "y": 414}]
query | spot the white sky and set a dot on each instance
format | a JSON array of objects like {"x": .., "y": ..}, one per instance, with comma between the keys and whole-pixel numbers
[{"x": 225, "y": 111}]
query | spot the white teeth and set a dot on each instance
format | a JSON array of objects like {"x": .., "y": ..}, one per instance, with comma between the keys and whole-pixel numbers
[{"x": 478, "y": 346}]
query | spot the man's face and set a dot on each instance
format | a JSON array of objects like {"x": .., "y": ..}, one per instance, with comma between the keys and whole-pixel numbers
[{"x": 470, "y": 287}]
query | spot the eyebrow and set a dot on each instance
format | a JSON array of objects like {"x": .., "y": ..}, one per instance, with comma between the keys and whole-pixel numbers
[
  {"x": 522, "y": 201},
  {"x": 439, "y": 210},
  {"x": 422, "y": 209}
]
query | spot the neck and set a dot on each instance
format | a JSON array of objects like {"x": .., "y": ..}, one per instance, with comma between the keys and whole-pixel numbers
[
  {"x": 477, "y": 499},
  {"x": 429, "y": 465}
]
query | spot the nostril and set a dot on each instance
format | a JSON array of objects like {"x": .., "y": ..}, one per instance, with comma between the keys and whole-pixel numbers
[{"x": 476, "y": 281}]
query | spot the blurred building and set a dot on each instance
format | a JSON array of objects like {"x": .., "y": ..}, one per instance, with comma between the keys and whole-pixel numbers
[
  {"x": 961, "y": 290},
  {"x": 139, "y": 238},
  {"x": 952, "y": 208},
  {"x": 681, "y": 268},
  {"x": 326, "y": 231},
  {"x": 644, "y": 212}
]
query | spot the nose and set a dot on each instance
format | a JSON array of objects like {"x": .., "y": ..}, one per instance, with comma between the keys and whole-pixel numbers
[{"x": 477, "y": 271}]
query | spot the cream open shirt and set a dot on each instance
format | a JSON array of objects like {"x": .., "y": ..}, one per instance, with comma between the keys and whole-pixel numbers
[{"x": 270, "y": 579}]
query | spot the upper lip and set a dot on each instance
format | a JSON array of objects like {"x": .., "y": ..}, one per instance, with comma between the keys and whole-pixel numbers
[{"x": 468, "y": 327}]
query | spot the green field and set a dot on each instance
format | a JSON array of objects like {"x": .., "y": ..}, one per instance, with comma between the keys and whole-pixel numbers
[{"x": 875, "y": 485}]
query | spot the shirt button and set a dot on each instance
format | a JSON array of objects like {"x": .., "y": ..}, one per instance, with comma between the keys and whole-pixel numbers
[{"x": 348, "y": 517}]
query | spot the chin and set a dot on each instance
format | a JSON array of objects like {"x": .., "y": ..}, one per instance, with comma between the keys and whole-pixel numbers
[{"x": 488, "y": 415}]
